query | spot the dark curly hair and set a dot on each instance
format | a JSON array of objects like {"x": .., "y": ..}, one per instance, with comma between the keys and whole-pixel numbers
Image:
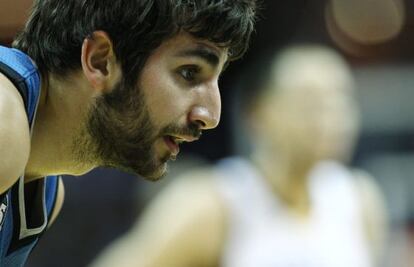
[{"x": 55, "y": 31}]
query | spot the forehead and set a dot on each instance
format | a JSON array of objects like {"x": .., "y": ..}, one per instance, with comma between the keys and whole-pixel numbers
[
  {"x": 184, "y": 42},
  {"x": 311, "y": 79}
]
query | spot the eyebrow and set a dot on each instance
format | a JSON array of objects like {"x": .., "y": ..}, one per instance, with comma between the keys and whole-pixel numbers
[{"x": 203, "y": 53}]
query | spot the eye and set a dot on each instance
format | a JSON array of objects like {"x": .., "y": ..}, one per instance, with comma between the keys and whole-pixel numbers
[{"x": 189, "y": 73}]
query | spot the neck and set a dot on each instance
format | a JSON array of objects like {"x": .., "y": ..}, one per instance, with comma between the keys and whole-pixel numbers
[
  {"x": 61, "y": 107},
  {"x": 288, "y": 179}
]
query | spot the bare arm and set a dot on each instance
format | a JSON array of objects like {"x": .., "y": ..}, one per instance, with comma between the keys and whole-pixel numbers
[
  {"x": 14, "y": 135},
  {"x": 374, "y": 213},
  {"x": 183, "y": 227}
]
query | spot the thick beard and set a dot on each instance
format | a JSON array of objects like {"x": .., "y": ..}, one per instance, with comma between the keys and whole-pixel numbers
[{"x": 119, "y": 134}]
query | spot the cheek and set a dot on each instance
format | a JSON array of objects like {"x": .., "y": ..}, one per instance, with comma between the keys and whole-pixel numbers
[{"x": 164, "y": 99}]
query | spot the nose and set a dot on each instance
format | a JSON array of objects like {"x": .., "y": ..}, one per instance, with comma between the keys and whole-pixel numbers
[{"x": 206, "y": 112}]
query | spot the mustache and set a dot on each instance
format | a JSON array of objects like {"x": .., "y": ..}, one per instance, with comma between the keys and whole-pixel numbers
[{"x": 192, "y": 130}]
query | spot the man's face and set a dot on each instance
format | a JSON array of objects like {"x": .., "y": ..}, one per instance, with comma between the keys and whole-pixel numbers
[
  {"x": 313, "y": 120},
  {"x": 320, "y": 121},
  {"x": 177, "y": 96}
]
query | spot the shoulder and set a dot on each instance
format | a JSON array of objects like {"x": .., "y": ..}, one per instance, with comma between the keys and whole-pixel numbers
[
  {"x": 374, "y": 212},
  {"x": 185, "y": 209},
  {"x": 367, "y": 187},
  {"x": 184, "y": 217},
  {"x": 368, "y": 194},
  {"x": 196, "y": 192},
  {"x": 14, "y": 134}
]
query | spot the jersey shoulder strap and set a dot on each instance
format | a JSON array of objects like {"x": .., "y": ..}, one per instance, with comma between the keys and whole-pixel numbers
[{"x": 23, "y": 73}]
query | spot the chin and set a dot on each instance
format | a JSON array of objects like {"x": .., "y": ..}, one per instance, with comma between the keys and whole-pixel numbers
[
  {"x": 152, "y": 170},
  {"x": 156, "y": 174},
  {"x": 158, "y": 169}
]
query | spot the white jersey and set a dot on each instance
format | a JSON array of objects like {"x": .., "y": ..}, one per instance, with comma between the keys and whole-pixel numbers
[{"x": 262, "y": 232}]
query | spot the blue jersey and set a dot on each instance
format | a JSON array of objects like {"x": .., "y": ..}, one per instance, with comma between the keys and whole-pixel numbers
[{"x": 24, "y": 208}]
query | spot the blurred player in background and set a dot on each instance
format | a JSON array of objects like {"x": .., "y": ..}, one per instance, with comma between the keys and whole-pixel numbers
[
  {"x": 291, "y": 202},
  {"x": 105, "y": 83}
]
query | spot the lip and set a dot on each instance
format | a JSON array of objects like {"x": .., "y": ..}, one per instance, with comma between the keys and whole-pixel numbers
[
  {"x": 184, "y": 138},
  {"x": 172, "y": 145}
]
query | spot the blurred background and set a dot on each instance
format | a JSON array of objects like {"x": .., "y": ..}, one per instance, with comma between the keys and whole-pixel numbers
[{"x": 377, "y": 39}]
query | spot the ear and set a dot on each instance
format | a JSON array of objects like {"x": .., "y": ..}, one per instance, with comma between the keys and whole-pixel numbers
[{"x": 99, "y": 62}]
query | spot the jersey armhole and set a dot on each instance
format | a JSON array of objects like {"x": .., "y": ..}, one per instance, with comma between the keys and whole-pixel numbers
[{"x": 17, "y": 81}]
